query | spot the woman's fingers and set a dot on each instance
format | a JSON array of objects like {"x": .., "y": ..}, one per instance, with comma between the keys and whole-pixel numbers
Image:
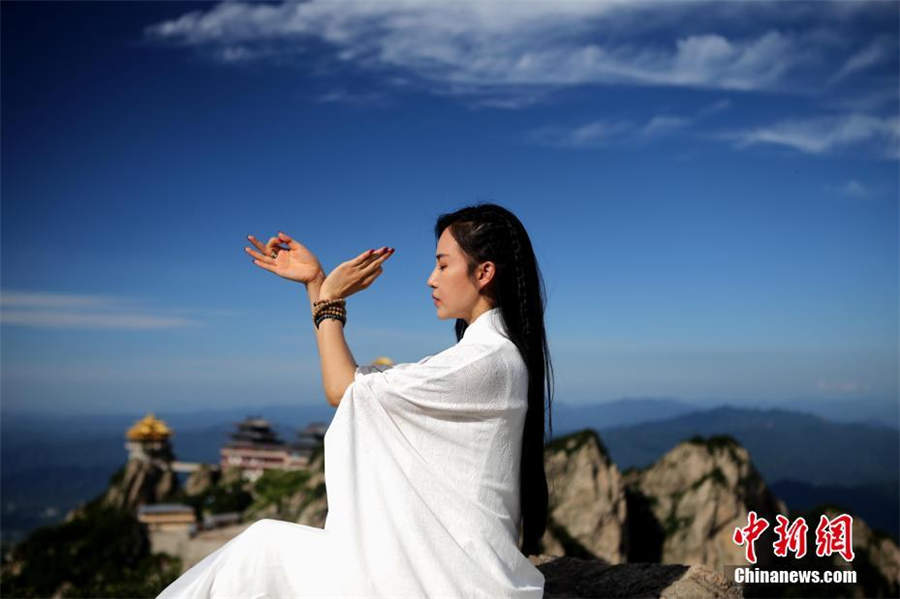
[
  {"x": 366, "y": 281},
  {"x": 261, "y": 257},
  {"x": 269, "y": 248},
  {"x": 264, "y": 265},
  {"x": 362, "y": 258},
  {"x": 273, "y": 246},
  {"x": 376, "y": 263},
  {"x": 257, "y": 243},
  {"x": 369, "y": 257},
  {"x": 285, "y": 238}
]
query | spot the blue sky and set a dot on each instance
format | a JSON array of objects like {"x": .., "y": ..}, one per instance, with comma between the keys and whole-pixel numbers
[{"x": 711, "y": 190}]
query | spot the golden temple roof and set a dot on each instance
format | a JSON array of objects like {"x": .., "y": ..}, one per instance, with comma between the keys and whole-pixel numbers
[
  {"x": 149, "y": 428},
  {"x": 383, "y": 361}
]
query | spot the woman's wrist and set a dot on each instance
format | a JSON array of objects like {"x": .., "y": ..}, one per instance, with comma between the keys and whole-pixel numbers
[{"x": 314, "y": 287}]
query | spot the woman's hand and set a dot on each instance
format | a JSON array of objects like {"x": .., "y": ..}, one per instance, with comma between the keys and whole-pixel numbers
[
  {"x": 294, "y": 262},
  {"x": 355, "y": 274}
]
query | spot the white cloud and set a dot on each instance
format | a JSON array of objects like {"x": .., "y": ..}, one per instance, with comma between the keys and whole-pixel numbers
[
  {"x": 498, "y": 52},
  {"x": 877, "y": 51},
  {"x": 59, "y": 310},
  {"x": 715, "y": 107},
  {"x": 235, "y": 54},
  {"x": 857, "y": 190},
  {"x": 53, "y": 300},
  {"x": 872, "y": 100},
  {"x": 854, "y": 188},
  {"x": 589, "y": 135},
  {"x": 604, "y": 132},
  {"x": 342, "y": 96},
  {"x": 56, "y": 319},
  {"x": 818, "y": 135},
  {"x": 663, "y": 125}
]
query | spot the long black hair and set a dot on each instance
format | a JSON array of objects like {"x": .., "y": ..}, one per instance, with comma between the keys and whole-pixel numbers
[{"x": 488, "y": 232}]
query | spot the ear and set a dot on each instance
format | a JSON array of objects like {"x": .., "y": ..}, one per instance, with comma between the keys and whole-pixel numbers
[{"x": 485, "y": 273}]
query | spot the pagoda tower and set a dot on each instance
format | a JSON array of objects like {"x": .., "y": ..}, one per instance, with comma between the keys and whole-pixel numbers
[{"x": 149, "y": 440}]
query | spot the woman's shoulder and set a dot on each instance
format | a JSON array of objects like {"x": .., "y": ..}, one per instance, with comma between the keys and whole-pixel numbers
[{"x": 481, "y": 358}]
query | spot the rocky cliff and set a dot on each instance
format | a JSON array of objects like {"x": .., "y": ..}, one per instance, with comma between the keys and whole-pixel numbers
[
  {"x": 587, "y": 500},
  {"x": 683, "y": 510},
  {"x": 699, "y": 492},
  {"x": 136, "y": 483}
]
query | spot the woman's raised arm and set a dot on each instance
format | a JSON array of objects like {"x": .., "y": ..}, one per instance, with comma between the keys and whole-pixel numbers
[
  {"x": 297, "y": 263},
  {"x": 356, "y": 274}
]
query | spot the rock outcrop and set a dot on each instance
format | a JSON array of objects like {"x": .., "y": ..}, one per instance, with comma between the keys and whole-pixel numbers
[
  {"x": 201, "y": 479},
  {"x": 570, "y": 578},
  {"x": 681, "y": 512},
  {"x": 879, "y": 551},
  {"x": 136, "y": 483},
  {"x": 698, "y": 493},
  {"x": 587, "y": 500},
  {"x": 305, "y": 502},
  {"x": 143, "y": 482},
  {"x": 309, "y": 506}
]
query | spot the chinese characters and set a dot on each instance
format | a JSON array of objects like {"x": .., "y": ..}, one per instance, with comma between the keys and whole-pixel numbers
[{"x": 833, "y": 535}]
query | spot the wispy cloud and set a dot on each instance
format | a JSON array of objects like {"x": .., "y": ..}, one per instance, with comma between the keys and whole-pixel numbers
[
  {"x": 47, "y": 318},
  {"x": 588, "y": 135},
  {"x": 875, "y": 52},
  {"x": 343, "y": 96},
  {"x": 603, "y": 132},
  {"x": 510, "y": 54},
  {"x": 54, "y": 300},
  {"x": 884, "y": 97},
  {"x": 715, "y": 107},
  {"x": 59, "y": 310},
  {"x": 854, "y": 189},
  {"x": 663, "y": 125},
  {"x": 819, "y": 135},
  {"x": 859, "y": 190}
]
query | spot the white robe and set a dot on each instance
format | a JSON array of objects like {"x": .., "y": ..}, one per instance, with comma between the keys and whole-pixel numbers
[{"x": 422, "y": 478}]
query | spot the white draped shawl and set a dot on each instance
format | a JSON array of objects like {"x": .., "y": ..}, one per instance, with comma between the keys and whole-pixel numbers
[{"x": 422, "y": 478}]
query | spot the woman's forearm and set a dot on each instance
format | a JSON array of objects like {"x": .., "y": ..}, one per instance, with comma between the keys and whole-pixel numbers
[{"x": 338, "y": 365}]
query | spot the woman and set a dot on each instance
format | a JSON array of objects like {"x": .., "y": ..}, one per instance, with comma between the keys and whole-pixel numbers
[{"x": 431, "y": 467}]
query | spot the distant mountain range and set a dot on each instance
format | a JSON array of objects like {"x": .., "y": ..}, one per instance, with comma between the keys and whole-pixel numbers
[
  {"x": 783, "y": 444},
  {"x": 568, "y": 417},
  {"x": 50, "y": 462}
]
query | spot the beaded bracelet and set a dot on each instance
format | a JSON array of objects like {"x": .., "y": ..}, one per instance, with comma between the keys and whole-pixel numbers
[
  {"x": 330, "y": 308},
  {"x": 329, "y": 304},
  {"x": 327, "y": 316}
]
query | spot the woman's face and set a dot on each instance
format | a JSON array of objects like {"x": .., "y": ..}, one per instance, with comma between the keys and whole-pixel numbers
[{"x": 457, "y": 293}]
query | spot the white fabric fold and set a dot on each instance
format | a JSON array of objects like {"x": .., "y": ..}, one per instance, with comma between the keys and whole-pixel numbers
[{"x": 422, "y": 477}]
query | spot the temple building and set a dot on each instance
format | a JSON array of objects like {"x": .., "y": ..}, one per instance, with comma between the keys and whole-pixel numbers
[
  {"x": 167, "y": 517},
  {"x": 255, "y": 447},
  {"x": 149, "y": 440},
  {"x": 170, "y": 526},
  {"x": 382, "y": 361}
]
